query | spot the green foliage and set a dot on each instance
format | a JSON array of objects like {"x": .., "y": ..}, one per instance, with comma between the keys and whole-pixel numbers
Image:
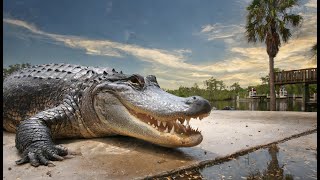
[
  {"x": 262, "y": 89},
  {"x": 13, "y": 68},
  {"x": 294, "y": 88},
  {"x": 313, "y": 88},
  {"x": 314, "y": 50},
  {"x": 214, "y": 90},
  {"x": 235, "y": 87}
]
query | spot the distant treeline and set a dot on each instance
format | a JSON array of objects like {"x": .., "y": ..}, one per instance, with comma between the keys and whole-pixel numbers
[
  {"x": 209, "y": 95},
  {"x": 13, "y": 68},
  {"x": 215, "y": 90}
]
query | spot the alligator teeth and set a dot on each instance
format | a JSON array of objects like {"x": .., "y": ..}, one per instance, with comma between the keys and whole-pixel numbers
[
  {"x": 177, "y": 121},
  {"x": 188, "y": 120},
  {"x": 149, "y": 123},
  {"x": 159, "y": 122},
  {"x": 181, "y": 121},
  {"x": 153, "y": 125},
  {"x": 164, "y": 123},
  {"x": 166, "y": 130},
  {"x": 172, "y": 130}
]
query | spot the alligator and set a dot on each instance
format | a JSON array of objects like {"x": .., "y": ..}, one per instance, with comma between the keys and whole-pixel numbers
[{"x": 53, "y": 101}]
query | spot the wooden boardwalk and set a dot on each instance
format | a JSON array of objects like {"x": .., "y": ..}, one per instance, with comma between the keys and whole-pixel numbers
[
  {"x": 308, "y": 76},
  {"x": 304, "y": 76}
]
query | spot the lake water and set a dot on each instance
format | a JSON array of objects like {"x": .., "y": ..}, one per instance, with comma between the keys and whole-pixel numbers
[{"x": 257, "y": 105}]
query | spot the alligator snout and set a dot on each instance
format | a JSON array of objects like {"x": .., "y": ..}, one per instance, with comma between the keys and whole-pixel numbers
[{"x": 198, "y": 105}]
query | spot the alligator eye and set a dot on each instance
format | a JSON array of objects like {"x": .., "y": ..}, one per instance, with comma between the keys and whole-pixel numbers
[
  {"x": 137, "y": 80},
  {"x": 134, "y": 81}
]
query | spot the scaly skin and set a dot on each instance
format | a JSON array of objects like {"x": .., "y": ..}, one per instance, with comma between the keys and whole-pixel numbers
[{"x": 53, "y": 101}]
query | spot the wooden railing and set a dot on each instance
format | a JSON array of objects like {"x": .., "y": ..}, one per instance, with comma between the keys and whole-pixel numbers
[{"x": 296, "y": 76}]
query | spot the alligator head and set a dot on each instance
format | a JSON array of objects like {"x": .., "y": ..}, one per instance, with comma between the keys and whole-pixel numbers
[{"x": 136, "y": 106}]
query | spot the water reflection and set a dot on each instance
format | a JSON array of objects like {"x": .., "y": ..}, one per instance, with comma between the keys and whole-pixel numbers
[
  {"x": 274, "y": 170},
  {"x": 263, "y": 105},
  {"x": 261, "y": 164}
]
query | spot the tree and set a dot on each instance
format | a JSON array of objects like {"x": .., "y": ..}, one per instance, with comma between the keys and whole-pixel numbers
[
  {"x": 195, "y": 89},
  {"x": 13, "y": 68},
  {"x": 235, "y": 87},
  {"x": 265, "y": 80},
  {"x": 221, "y": 85},
  {"x": 268, "y": 21},
  {"x": 211, "y": 85}
]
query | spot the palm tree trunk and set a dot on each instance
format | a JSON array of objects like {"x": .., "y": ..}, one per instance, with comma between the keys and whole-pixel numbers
[{"x": 271, "y": 83}]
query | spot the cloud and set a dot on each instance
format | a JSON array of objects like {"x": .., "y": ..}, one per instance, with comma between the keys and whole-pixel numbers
[
  {"x": 109, "y": 7},
  {"x": 109, "y": 48},
  {"x": 23, "y": 25},
  {"x": 311, "y": 4},
  {"x": 219, "y": 31}
]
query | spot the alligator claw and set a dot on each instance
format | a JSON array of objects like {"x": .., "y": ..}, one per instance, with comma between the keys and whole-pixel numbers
[
  {"x": 25, "y": 159},
  {"x": 41, "y": 154}
]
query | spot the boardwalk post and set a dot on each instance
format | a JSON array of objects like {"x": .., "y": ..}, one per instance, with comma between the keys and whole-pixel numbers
[{"x": 306, "y": 96}]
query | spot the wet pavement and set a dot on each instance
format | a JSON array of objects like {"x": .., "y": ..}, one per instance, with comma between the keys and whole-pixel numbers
[
  {"x": 293, "y": 159},
  {"x": 225, "y": 133}
]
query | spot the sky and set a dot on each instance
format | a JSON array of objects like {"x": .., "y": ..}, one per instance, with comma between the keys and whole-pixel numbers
[{"x": 181, "y": 42}]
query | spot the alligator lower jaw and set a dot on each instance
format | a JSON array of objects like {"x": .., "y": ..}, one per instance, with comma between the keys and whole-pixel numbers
[{"x": 175, "y": 126}]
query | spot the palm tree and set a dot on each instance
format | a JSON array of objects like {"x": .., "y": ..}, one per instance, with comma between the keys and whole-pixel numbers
[
  {"x": 267, "y": 21},
  {"x": 314, "y": 51}
]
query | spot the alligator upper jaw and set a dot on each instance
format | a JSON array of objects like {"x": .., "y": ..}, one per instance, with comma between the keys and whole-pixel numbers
[{"x": 174, "y": 125}]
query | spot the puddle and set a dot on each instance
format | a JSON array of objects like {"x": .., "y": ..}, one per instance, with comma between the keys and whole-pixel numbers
[{"x": 275, "y": 162}]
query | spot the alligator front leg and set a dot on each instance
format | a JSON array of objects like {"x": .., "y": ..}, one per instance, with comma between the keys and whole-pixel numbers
[{"x": 34, "y": 138}]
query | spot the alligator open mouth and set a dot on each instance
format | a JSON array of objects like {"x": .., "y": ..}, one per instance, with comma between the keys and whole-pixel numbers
[{"x": 177, "y": 125}]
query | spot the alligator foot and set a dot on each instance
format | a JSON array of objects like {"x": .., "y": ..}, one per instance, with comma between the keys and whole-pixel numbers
[{"x": 40, "y": 153}]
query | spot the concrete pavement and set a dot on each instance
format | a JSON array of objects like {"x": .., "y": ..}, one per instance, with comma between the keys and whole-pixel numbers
[{"x": 225, "y": 133}]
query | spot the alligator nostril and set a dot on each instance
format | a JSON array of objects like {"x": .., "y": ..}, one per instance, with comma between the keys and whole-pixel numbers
[{"x": 198, "y": 105}]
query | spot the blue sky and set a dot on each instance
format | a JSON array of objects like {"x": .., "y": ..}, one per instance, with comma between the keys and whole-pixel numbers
[{"x": 182, "y": 42}]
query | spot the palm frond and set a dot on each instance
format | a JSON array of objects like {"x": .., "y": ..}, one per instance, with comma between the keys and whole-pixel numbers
[
  {"x": 314, "y": 51},
  {"x": 285, "y": 4},
  {"x": 283, "y": 31},
  {"x": 294, "y": 19},
  {"x": 270, "y": 16},
  {"x": 314, "y": 47}
]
